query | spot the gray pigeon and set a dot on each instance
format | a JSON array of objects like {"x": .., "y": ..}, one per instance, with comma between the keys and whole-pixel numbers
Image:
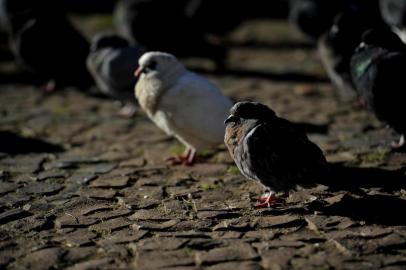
[
  {"x": 270, "y": 150},
  {"x": 112, "y": 62}
]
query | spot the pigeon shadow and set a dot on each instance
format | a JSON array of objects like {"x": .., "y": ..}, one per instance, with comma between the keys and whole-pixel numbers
[
  {"x": 372, "y": 208},
  {"x": 12, "y": 143},
  {"x": 342, "y": 177}
]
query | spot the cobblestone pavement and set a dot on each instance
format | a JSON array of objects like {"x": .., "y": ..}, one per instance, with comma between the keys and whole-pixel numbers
[{"x": 82, "y": 188}]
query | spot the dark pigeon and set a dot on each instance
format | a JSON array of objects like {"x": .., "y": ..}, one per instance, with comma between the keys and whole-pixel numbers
[
  {"x": 338, "y": 44},
  {"x": 378, "y": 71},
  {"x": 162, "y": 25},
  {"x": 314, "y": 17},
  {"x": 46, "y": 42},
  {"x": 270, "y": 150}
]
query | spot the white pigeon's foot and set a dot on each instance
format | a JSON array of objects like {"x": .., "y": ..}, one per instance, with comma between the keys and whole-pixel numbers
[
  {"x": 128, "y": 110},
  {"x": 267, "y": 200},
  {"x": 187, "y": 158}
]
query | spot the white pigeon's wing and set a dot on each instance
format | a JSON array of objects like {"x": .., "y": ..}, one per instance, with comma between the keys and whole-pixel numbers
[{"x": 196, "y": 110}]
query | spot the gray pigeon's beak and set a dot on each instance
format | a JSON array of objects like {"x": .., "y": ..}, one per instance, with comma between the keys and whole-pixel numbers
[
  {"x": 138, "y": 71},
  {"x": 229, "y": 119}
]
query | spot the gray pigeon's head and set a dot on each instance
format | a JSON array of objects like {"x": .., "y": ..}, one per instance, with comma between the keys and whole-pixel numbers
[
  {"x": 104, "y": 40},
  {"x": 165, "y": 66},
  {"x": 247, "y": 110}
]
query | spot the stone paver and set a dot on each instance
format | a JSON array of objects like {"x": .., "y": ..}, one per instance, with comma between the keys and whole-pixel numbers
[{"x": 100, "y": 196}]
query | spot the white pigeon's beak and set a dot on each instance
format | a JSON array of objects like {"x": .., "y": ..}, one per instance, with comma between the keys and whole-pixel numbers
[{"x": 138, "y": 71}]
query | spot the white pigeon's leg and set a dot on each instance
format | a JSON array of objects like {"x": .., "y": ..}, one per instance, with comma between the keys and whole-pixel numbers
[
  {"x": 187, "y": 158},
  {"x": 190, "y": 156},
  {"x": 266, "y": 201}
]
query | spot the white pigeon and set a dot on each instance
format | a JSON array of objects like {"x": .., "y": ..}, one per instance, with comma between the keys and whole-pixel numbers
[{"x": 181, "y": 103}]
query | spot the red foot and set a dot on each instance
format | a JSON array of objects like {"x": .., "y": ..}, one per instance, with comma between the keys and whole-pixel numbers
[
  {"x": 265, "y": 202},
  {"x": 188, "y": 158}
]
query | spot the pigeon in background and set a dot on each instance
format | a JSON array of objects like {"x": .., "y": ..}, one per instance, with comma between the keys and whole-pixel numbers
[
  {"x": 270, "y": 150},
  {"x": 394, "y": 14},
  {"x": 162, "y": 25},
  {"x": 47, "y": 43},
  {"x": 112, "y": 62},
  {"x": 181, "y": 103},
  {"x": 378, "y": 71},
  {"x": 337, "y": 45},
  {"x": 209, "y": 15},
  {"x": 314, "y": 17}
]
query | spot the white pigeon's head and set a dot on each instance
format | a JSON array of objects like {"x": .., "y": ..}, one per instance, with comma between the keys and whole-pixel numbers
[{"x": 159, "y": 65}]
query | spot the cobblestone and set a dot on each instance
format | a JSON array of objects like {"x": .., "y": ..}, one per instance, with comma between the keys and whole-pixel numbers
[{"x": 91, "y": 190}]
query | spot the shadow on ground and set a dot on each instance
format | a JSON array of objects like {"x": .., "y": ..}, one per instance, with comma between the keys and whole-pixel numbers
[
  {"x": 352, "y": 178},
  {"x": 371, "y": 208},
  {"x": 12, "y": 143}
]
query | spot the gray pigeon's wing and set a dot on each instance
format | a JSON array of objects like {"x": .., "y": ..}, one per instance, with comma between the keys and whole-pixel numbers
[{"x": 119, "y": 68}]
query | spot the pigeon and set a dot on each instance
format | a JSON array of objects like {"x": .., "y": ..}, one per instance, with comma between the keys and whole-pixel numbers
[
  {"x": 161, "y": 25},
  {"x": 394, "y": 14},
  {"x": 378, "y": 71},
  {"x": 47, "y": 43},
  {"x": 314, "y": 17},
  {"x": 111, "y": 62},
  {"x": 181, "y": 103},
  {"x": 209, "y": 15},
  {"x": 337, "y": 45},
  {"x": 270, "y": 150}
]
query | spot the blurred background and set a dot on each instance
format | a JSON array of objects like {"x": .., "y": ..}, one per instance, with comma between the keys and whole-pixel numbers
[{"x": 93, "y": 46}]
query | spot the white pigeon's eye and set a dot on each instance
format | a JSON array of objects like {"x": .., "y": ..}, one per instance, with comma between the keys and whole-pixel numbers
[{"x": 150, "y": 66}]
